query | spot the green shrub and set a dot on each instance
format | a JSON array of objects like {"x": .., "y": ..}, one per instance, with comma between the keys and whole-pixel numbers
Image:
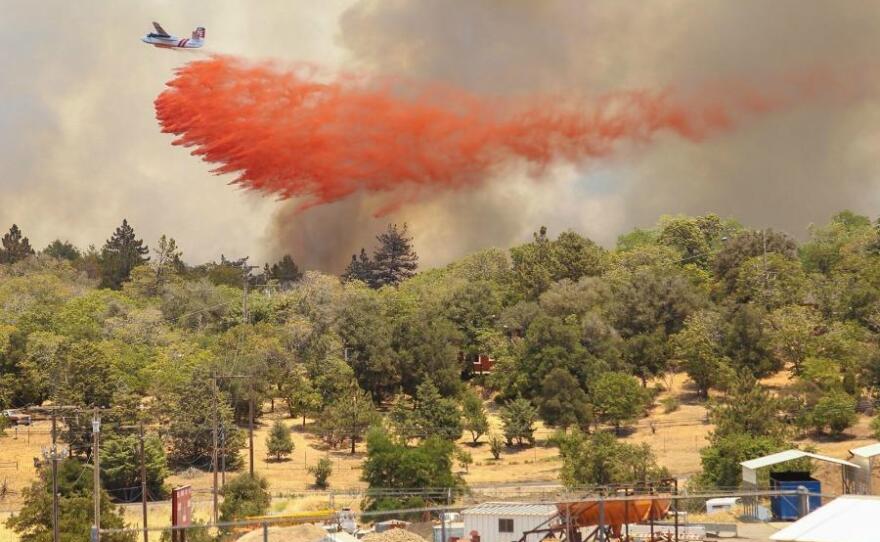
[
  {"x": 245, "y": 496},
  {"x": 496, "y": 445},
  {"x": 321, "y": 471},
  {"x": 836, "y": 411},
  {"x": 670, "y": 404}
]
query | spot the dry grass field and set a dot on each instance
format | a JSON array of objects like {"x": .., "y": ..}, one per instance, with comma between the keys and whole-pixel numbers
[{"x": 676, "y": 438}]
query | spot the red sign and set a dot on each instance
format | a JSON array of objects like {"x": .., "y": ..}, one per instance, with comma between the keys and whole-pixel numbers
[{"x": 181, "y": 511}]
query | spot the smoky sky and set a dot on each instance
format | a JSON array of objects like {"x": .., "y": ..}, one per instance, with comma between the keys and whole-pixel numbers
[
  {"x": 786, "y": 170},
  {"x": 79, "y": 143},
  {"x": 81, "y": 149}
]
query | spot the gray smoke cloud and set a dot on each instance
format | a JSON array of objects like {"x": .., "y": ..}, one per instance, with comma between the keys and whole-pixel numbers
[{"x": 786, "y": 169}]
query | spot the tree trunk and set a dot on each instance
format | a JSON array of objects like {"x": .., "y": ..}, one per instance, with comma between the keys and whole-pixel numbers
[
  {"x": 304, "y": 422},
  {"x": 353, "y": 441}
]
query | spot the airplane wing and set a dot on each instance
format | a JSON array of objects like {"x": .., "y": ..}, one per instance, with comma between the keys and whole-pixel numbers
[{"x": 160, "y": 30}]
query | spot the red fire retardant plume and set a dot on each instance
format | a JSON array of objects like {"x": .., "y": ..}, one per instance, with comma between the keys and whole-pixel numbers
[{"x": 290, "y": 133}]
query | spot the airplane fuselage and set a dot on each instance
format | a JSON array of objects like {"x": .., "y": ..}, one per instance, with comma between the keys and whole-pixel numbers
[{"x": 172, "y": 42}]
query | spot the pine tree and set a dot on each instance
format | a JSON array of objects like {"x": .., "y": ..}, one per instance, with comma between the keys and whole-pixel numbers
[
  {"x": 360, "y": 268},
  {"x": 286, "y": 271},
  {"x": 62, "y": 250},
  {"x": 436, "y": 415},
  {"x": 120, "y": 254},
  {"x": 278, "y": 443},
  {"x": 168, "y": 258},
  {"x": 348, "y": 417},
  {"x": 15, "y": 247},
  {"x": 120, "y": 466},
  {"x": 518, "y": 418},
  {"x": 394, "y": 260}
]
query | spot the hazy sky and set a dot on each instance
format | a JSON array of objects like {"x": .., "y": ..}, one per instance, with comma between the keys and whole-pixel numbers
[
  {"x": 81, "y": 149},
  {"x": 79, "y": 141}
]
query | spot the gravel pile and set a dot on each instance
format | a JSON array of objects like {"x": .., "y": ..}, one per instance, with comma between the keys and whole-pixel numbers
[{"x": 393, "y": 535}]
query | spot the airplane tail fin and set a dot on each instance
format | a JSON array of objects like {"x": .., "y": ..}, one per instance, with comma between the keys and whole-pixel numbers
[{"x": 199, "y": 33}]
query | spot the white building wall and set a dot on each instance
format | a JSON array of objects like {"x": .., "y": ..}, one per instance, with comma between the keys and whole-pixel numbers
[
  {"x": 861, "y": 477},
  {"x": 487, "y": 526}
]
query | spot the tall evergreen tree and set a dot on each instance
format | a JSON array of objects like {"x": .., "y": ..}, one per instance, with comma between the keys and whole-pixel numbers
[
  {"x": 15, "y": 247},
  {"x": 279, "y": 444},
  {"x": 394, "y": 260},
  {"x": 120, "y": 254},
  {"x": 286, "y": 271},
  {"x": 436, "y": 415},
  {"x": 360, "y": 268},
  {"x": 120, "y": 466}
]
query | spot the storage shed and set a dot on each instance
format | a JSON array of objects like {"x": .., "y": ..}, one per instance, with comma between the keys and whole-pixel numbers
[
  {"x": 750, "y": 475},
  {"x": 864, "y": 456},
  {"x": 506, "y": 522}
]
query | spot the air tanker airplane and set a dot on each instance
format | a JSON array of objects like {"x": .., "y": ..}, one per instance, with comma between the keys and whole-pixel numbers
[{"x": 160, "y": 38}]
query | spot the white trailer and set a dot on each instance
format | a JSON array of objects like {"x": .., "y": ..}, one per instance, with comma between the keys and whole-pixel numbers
[{"x": 506, "y": 522}]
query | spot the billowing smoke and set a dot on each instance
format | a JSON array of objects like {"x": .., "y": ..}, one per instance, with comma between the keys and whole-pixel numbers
[
  {"x": 292, "y": 133},
  {"x": 784, "y": 170}
]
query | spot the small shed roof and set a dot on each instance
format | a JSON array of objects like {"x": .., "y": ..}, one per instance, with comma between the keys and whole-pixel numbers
[
  {"x": 788, "y": 455},
  {"x": 511, "y": 509},
  {"x": 866, "y": 451},
  {"x": 850, "y": 518}
]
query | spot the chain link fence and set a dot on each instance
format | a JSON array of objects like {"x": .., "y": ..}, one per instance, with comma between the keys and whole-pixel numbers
[{"x": 611, "y": 514}]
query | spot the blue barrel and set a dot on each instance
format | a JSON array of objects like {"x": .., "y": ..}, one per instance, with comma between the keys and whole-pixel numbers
[{"x": 787, "y": 507}]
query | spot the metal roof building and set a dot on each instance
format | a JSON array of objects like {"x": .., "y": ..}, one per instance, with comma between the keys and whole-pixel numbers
[
  {"x": 863, "y": 456},
  {"x": 850, "y": 518},
  {"x": 511, "y": 508},
  {"x": 750, "y": 467},
  {"x": 506, "y": 521}
]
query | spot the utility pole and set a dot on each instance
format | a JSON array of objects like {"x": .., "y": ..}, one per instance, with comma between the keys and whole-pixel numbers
[
  {"x": 143, "y": 482},
  {"x": 222, "y": 457},
  {"x": 96, "y": 474},
  {"x": 246, "y": 270},
  {"x": 246, "y": 319},
  {"x": 764, "y": 261},
  {"x": 56, "y": 534},
  {"x": 214, "y": 437},
  {"x": 246, "y": 279},
  {"x": 251, "y": 427}
]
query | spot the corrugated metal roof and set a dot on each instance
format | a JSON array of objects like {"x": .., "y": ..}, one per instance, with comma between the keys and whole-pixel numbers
[
  {"x": 511, "y": 509},
  {"x": 788, "y": 455},
  {"x": 850, "y": 518},
  {"x": 866, "y": 451}
]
